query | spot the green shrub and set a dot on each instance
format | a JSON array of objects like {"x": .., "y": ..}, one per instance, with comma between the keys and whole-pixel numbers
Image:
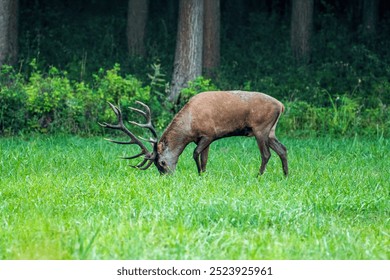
[
  {"x": 12, "y": 101},
  {"x": 346, "y": 117},
  {"x": 51, "y": 102},
  {"x": 49, "y": 98}
]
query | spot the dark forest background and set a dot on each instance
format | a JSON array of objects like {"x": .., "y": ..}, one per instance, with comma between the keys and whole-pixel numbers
[{"x": 73, "y": 56}]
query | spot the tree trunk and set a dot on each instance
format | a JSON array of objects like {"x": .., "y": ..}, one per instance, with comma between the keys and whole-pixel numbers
[
  {"x": 137, "y": 17},
  {"x": 301, "y": 29},
  {"x": 211, "y": 37},
  {"x": 189, "y": 43},
  {"x": 9, "y": 16},
  {"x": 370, "y": 17}
]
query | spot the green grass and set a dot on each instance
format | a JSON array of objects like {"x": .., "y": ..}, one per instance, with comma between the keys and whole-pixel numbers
[{"x": 72, "y": 198}]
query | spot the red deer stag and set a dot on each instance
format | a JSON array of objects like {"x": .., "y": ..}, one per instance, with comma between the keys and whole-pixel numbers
[{"x": 207, "y": 117}]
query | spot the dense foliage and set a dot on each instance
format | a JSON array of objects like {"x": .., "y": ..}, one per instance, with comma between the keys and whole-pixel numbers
[
  {"x": 65, "y": 77},
  {"x": 52, "y": 102}
]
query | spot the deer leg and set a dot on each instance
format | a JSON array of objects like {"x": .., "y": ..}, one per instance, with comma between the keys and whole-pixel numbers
[
  {"x": 262, "y": 143},
  {"x": 281, "y": 150},
  {"x": 200, "y": 153},
  {"x": 204, "y": 156}
]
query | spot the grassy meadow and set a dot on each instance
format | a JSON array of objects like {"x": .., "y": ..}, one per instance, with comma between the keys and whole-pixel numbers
[{"x": 65, "y": 197}]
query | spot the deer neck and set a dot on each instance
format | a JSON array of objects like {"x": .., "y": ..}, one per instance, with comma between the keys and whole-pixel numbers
[
  {"x": 177, "y": 135},
  {"x": 172, "y": 142}
]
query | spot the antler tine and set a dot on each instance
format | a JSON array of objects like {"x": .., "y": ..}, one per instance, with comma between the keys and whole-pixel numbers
[
  {"x": 150, "y": 140},
  {"x": 148, "y": 116},
  {"x": 146, "y": 166},
  {"x": 139, "y": 111},
  {"x": 146, "y": 108},
  {"x": 142, "y": 165},
  {"x": 133, "y": 157},
  {"x": 119, "y": 142}
]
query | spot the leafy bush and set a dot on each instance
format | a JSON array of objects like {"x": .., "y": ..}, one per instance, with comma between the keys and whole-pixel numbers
[
  {"x": 12, "y": 101},
  {"x": 346, "y": 117},
  {"x": 51, "y": 102},
  {"x": 48, "y": 98}
]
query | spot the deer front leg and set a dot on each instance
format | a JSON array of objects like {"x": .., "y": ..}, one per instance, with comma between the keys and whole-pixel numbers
[
  {"x": 204, "y": 156},
  {"x": 201, "y": 154}
]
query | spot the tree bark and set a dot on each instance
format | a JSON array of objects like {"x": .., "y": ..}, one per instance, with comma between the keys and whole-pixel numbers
[
  {"x": 301, "y": 29},
  {"x": 211, "y": 37},
  {"x": 137, "y": 17},
  {"x": 9, "y": 17},
  {"x": 370, "y": 17},
  {"x": 189, "y": 43}
]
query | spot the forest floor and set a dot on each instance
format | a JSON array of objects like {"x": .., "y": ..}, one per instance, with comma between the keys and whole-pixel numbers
[{"x": 66, "y": 197}]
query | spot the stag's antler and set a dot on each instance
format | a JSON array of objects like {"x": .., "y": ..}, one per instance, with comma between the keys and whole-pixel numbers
[{"x": 149, "y": 157}]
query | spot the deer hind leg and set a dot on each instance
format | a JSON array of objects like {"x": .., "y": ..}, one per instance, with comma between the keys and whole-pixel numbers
[
  {"x": 279, "y": 148},
  {"x": 201, "y": 154},
  {"x": 262, "y": 143}
]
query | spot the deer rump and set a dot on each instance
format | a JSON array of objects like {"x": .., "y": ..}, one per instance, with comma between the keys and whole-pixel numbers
[{"x": 207, "y": 117}]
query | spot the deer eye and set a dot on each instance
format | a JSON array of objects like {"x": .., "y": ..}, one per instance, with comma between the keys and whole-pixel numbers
[{"x": 163, "y": 163}]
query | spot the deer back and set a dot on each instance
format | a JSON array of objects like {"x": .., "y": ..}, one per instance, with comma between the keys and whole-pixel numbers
[{"x": 220, "y": 114}]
